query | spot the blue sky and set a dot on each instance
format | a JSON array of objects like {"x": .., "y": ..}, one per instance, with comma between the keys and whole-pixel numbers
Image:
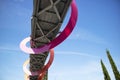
[{"x": 78, "y": 57}]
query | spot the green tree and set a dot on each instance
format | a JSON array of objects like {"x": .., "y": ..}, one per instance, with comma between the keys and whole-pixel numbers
[
  {"x": 105, "y": 72},
  {"x": 113, "y": 65}
]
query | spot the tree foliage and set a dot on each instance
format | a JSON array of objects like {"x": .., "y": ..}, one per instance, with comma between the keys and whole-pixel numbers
[
  {"x": 105, "y": 72},
  {"x": 113, "y": 66}
]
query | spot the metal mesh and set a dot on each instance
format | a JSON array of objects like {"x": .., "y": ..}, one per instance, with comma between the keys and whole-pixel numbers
[{"x": 46, "y": 21}]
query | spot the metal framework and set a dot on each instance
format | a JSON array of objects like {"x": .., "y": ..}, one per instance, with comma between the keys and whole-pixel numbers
[{"x": 46, "y": 21}]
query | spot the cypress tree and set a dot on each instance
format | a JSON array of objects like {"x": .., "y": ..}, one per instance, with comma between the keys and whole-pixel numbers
[
  {"x": 114, "y": 68},
  {"x": 105, "y": 72}
]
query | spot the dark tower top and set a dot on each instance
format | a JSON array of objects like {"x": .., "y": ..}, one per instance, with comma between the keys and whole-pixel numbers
[{"x": 47, "y": 18}]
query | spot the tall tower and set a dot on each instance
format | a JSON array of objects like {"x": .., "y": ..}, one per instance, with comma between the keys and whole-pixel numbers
[{"x": 46, "y": 21}]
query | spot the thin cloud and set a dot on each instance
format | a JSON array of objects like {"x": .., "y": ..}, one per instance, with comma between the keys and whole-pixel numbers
[
  {"x": 76, "y": 53},
  {"x": 19, "y": 0},
  {"x": 87, "y": 36},
  {"x": 9, "y": 49},
  {"x": 92, "y": 70},
  {"x": 57, "y": 52}
]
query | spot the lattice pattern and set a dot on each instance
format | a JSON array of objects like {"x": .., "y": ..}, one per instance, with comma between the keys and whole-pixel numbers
[
  {"x": 35, "y": 59},
  {"x": 47, "y": 18}
]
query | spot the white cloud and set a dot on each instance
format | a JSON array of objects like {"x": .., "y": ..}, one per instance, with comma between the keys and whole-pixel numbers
[
  {"x": 76, "y": 53},
  {"x": 19, "y": 0},
  {"x": 7, "y": 48},
  {"x": 89, "y": 71},
  {"x": 87, "y": 36},
  {"x": 85, "y": 70}
]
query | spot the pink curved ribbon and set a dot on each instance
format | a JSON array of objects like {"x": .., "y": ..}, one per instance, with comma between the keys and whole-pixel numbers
[
  {"x": 65, "y": 33},
  {"x": 43, "y": 70},
  {"x": 46, "y": 67}
]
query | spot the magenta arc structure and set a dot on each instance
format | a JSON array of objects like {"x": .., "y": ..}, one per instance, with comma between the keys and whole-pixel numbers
[{"x": 49, "y": 47}]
